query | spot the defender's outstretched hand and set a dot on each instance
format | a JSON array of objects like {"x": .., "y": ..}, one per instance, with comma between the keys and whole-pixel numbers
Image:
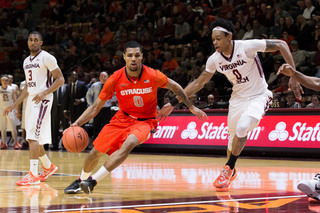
[
  {"x": 198, "y": 112},
  {"x": 294, "y": 85}
]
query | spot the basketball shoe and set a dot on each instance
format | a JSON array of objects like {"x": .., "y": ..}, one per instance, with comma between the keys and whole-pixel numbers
[
  {"x": 29, "y": 179},
  {"x": 46, "y": 173},
  {"x": 224, "y": 180},
  {"x": 4, "y": 146},
  {"x": 74, "y": 187},
  {"x": 88, "y": 185},
  {"x": 228, "y": 201},
  {"x": 310, "y": 187}
]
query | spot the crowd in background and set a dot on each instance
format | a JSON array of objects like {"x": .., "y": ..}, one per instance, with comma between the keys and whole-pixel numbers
[{"x": 88, "y": 36}]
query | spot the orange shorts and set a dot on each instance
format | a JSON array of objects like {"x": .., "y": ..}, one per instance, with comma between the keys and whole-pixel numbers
[{"x": 112, "y": 136}]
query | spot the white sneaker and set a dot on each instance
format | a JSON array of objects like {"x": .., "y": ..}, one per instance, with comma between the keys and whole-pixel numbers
[{"x": 309, "y": 187}]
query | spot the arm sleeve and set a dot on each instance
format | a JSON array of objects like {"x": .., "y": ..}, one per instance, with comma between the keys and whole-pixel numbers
[
  {"x": 50, "y": 62},
  {"x": 253, "y": 46},
  {"x": 161, "y": 80},
  {"x": 108, "y": 89}
]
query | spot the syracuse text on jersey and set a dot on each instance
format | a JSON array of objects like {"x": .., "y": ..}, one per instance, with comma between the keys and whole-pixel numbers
[{"x": 136, "y": 91}]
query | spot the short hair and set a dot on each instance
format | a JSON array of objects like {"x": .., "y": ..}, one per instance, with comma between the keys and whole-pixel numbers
[
  {"x": 132, "y": 44},
  {"x": 228, "y": 25},
  {"x": 36, "y": 33}
]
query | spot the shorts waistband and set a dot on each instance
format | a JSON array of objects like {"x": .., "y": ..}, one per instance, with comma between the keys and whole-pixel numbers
[{"x": 134, "y": 117}]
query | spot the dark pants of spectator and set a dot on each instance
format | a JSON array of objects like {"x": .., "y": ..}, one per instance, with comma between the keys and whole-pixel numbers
[
  {"x": 101, "y": 119},
  {"x": 57, "y": 120}
]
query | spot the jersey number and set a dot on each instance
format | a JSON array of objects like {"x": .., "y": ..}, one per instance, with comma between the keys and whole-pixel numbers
[
  {"x": 29, "y": 75},
  {"x": 237, "y": 74},
  {"x": 5, "y": 97},
  {"x": 138, "y": 101}
]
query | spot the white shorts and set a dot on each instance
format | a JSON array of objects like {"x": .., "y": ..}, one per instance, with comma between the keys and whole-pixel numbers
[
  {"x": 38, "y": 120},
  {"x": 7, "y": 123},
  {"x": 255, "y": 107}
]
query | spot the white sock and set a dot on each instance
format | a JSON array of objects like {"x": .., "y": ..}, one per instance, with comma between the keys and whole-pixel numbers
[
  {"x": 45, "y": 161},
  {"x": 34, "y": 167},
  {"x": 101, "y": 173},
  {"x": 84, "y": 175}
]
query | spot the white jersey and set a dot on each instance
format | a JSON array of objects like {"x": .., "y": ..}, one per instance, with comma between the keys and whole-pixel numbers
[
  {"x": 243, "y": 68},
  {"x": 6, "y": 97},
  {"x": 37, "y": 70}
]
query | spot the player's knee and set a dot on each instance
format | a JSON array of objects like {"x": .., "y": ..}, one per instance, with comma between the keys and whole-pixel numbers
[{"x": 242, "y": 130}]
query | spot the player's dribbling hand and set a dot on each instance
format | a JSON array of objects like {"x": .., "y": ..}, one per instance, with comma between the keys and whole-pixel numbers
[
  {"x": 164, "y": 112},
  {"x": 71, "y": 125},
  {"x": 198, "y": 112}
]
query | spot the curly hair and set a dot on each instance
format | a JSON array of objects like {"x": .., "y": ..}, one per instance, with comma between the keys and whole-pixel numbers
[{"x": 225, "y": 24}]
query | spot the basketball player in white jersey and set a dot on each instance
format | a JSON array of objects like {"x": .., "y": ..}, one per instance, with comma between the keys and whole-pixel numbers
[
  {"x": 250, "y": 98},
  {"x": 7, "y": 122},
  {"x": 309, "y": 187},
  {"x": 39, "y": 68}
]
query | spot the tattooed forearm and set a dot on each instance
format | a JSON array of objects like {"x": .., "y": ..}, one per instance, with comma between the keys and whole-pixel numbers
[
  {"x": 177, "y": 89},
  {"x": 271, "y": 46}
]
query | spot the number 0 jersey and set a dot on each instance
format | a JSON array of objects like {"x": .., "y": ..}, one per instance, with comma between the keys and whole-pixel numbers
[
  {"x": 243, "y": 68},
  {"x": 37, "y": 70},
  {"x": 136, "y": 96}
]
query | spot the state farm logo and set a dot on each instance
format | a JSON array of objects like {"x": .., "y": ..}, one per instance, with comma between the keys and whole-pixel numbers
[
  {"x": 190, "y": 132},
  {"x": 279, "y": 133},
  {"x": 213, "y": 131}
]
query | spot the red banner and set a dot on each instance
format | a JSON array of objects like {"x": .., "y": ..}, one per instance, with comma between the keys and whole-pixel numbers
[{"x": 291, "y": 131}]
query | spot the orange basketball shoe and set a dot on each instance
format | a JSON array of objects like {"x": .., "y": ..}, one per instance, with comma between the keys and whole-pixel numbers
[
  {"x": 222, "y": 183},
  {"x": 29, "y": 179},
  {"x": 46, "y": 173}
]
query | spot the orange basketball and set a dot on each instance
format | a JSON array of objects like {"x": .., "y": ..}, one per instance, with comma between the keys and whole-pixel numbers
[{"x": 75, "y": 139}]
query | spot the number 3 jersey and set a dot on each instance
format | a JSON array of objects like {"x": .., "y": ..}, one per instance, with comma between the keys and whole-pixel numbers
[
  {"x": 242, "y": 68},
  {"x": 136, "y": 96},
  {"x": 37, "y": 70}
]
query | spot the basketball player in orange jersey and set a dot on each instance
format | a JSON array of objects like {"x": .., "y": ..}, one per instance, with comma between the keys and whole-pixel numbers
[
  {"x": 309, "y": 187},
  {"x": 39, "y": 68},
  {"x": 238, "y": 60},
  {"x": 135, "y": 86}
]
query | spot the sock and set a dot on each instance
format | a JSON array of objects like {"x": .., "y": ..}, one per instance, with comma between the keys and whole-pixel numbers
[
  {"x": 45, "y": 161},
  {"x": 84, "y": 175},
  {"x": 232, "y": 161},
  {"x": 34, "y": 167},
  {"x": 101, "y": 173}
]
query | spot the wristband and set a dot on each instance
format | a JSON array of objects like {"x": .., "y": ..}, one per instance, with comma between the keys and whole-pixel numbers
[{"x": 174, "y": 102}]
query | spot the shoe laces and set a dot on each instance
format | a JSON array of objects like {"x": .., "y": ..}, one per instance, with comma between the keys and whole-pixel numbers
[
  {"x": 75, "y": 183},
  {"x": 224, "y": 174},
  {"x": 27, "y": 177}
]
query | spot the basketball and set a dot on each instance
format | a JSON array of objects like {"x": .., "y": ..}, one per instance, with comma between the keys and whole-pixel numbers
[{"x": 75, "y": 139}]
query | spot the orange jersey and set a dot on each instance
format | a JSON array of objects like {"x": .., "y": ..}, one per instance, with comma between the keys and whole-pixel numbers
[{"x": 136, "y": 96}]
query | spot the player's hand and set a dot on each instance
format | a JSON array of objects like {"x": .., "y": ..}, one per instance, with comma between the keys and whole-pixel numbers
[
  {"x": 7, "y": 110},
  {"x": 198, "y": 112},
  {"x": 39, "y": 97},
  {"x": 71, "y": 125},
  {"x": 296, "y": 88},
  {"x": 164, "y": 112},
  {"x": 286, "y": 69},
  {"x": 294, "y": 85}
]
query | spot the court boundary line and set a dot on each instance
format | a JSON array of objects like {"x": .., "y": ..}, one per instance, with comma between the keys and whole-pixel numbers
[
  {"x": 55, "y": 174},
  {"x": 178, "y": 203}
]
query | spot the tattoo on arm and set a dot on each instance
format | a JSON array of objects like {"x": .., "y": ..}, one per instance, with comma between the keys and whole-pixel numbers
[
  {"x": 180, "y": 93},
  {"x": 271, "y": 46}
]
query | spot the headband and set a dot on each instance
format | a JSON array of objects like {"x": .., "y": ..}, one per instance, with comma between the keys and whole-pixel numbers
[{"x": 222, "y": 29}]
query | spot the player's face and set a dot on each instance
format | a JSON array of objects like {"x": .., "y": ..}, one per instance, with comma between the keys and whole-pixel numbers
[
  {"x": 34, "y": 42},
  {"x": 221, "y": 41},
  {"x": 4, "y": 82},
  {"x": 133, "y": 58}
]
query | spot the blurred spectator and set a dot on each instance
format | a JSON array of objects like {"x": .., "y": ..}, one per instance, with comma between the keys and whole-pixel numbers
[
  {"x": 211, "y": 104},
  {"x": 283, "y": 87},
  {"x": 249, "y": 32},
  {"x": 291, "y": 28},
  {"x": 82, "y": 75},
  {"x": 194, "y": 100},
  {"x": 308, "y": 10},
  {"x": 258, "y": 29},
  {"x": 316, "y": 61},
  {"x": 205, "y": 39},
  {"x": 226, "y": 7},
  {"x": 209, "y": 88},
  {"x": 9, "y": 36},
  {"x": 186, "y": 58},
  {"x": 290, "y": 101},
  {"x": 170, "y": 64},
  {"x": 239, "y": 31},
  {"x": 279, "y": 12},
  {"x": 315, "y": 102},
  {"x": 241, "y": 17},
  {"x": 179, "y": 76},
  {"x": 190, "y": 15},
  {"x": 277, "y": 30},
  {"x": 22, "y": 30},
  {"x": 200, "y": 59},
  {"x": 304, "y": 33},
  {"x": 182, "y": 33},
  {"x": 151, "y": 62},
  {"x": 107, "y": 37}
]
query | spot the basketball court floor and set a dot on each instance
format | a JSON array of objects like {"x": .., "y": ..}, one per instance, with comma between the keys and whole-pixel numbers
[{"x": 158, "y": 184}]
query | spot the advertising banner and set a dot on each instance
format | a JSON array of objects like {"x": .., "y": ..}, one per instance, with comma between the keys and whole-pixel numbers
[{"x": 287, "y": 131}]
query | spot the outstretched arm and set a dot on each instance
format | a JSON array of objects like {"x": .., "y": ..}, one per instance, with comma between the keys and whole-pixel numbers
[
  {"x": 279, "y": 45},
  {"x": 307, "y": 81},
  {"x": 177, "y": 89}
]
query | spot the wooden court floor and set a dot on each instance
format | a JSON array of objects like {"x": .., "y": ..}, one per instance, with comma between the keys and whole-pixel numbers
[{"x": 158, "y": 184}]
